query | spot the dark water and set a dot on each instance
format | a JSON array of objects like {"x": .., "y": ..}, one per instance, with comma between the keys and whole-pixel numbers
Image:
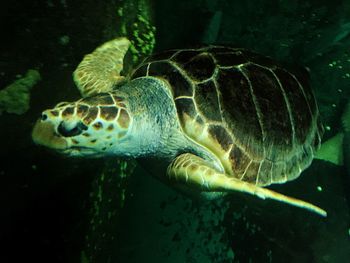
[{"x": 49, "y": 203}]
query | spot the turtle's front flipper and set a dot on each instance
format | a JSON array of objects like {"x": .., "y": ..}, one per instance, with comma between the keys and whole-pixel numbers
[
  {"x": 100, "y": 70},
  {"x": 189, "y": 170}
]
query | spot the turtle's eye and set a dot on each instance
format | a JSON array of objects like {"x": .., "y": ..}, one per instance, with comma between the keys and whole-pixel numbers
[{"x": 76, "y": 130}]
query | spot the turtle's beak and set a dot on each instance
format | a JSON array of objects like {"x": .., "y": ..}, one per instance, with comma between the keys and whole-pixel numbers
[{"x": 44, "y": 134}]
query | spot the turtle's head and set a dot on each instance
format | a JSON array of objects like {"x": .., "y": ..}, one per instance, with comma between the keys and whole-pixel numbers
[{"x": 92, "y": 126}]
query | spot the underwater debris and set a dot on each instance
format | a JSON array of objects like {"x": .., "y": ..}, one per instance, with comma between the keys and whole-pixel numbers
[
  {"x": 137, "y": 24},
  {"x": 15, "y": 97},
  {"x": 64, "y": 40}
]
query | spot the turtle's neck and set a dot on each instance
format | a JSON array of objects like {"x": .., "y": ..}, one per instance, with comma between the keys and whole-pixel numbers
[{"x": 155, "y": 131}]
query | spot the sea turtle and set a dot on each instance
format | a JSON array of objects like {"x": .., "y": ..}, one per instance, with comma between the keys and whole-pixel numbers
[{"x": 222, "y": 119}]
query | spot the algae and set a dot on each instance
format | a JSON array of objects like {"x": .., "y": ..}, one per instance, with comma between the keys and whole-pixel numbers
[{"x": 15, "y": 98}]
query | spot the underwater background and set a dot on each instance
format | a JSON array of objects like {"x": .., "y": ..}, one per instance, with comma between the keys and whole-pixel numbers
[{"x": 56, "y": 209}]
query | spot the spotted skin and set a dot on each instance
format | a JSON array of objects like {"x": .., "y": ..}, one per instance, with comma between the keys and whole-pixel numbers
[{"x": 105, "y": 117}]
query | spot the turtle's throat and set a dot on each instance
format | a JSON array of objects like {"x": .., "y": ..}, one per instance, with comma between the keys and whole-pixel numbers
[{"x": 44, "y": 134}]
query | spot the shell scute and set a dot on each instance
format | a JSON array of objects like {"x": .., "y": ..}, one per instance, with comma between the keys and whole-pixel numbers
[
  {"x": 230, "y": 59},
  {"x": 167, "y": 71},
  {"x": 141, "y": 71},
  {"x": 259, "y": 59},
  {"x": 238, "y": 108},
  {"x": 182, "y": 57},
  {"x": 200, "y": 67},
  {"x": 206, "y": 98},
  {"x": 175, "y": 78},
  {"x": 221, "y": 135},
  {"x": 270, "y": 105},
  {"x": 265, "y": 177},
  {"x": 252, "y": 173},
  {"x": 165, "y": 55},
  {"x": 239, "y": 161},
  {"x": 297, "y": 102},
  {"x": 187, "y": 107}
]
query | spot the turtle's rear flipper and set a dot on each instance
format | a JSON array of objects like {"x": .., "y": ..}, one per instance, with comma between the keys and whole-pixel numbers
[
  {"x": 100, "y": 70},
  {"x": 191, "y": 172}
]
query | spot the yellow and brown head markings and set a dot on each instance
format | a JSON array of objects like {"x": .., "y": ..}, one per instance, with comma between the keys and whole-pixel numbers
[
  {"x": 91, "y": 115},
  {"x": 110, "y": 127},
  {"x": 124, "y": 119},
  {"x": 193, "y": 167},
  {"x": 108, "y": 113},
  {"x": 86, "y": 134},
  {"x": 82, "y": 110},
  {"x": 54, "y": 113},
  {"x": 121, "y": 105},
  {"x": 183, "y": 164},
  {"x": 98, "y": 125},
  {"x": 44, "y": 134},
  {"x": 75, "y": 141},
  {"x": 68, "y": 111},
  {"x": 62, "y": 104},
  {"x": 121, "y": 134},
  {"x": 210, "y": 172},
  {"x": 104, "y": 99},
  {"x": 118, "y": 99}
]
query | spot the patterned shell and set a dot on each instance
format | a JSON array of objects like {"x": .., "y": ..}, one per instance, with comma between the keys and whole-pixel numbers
[{"x": 260, "y": 120}]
